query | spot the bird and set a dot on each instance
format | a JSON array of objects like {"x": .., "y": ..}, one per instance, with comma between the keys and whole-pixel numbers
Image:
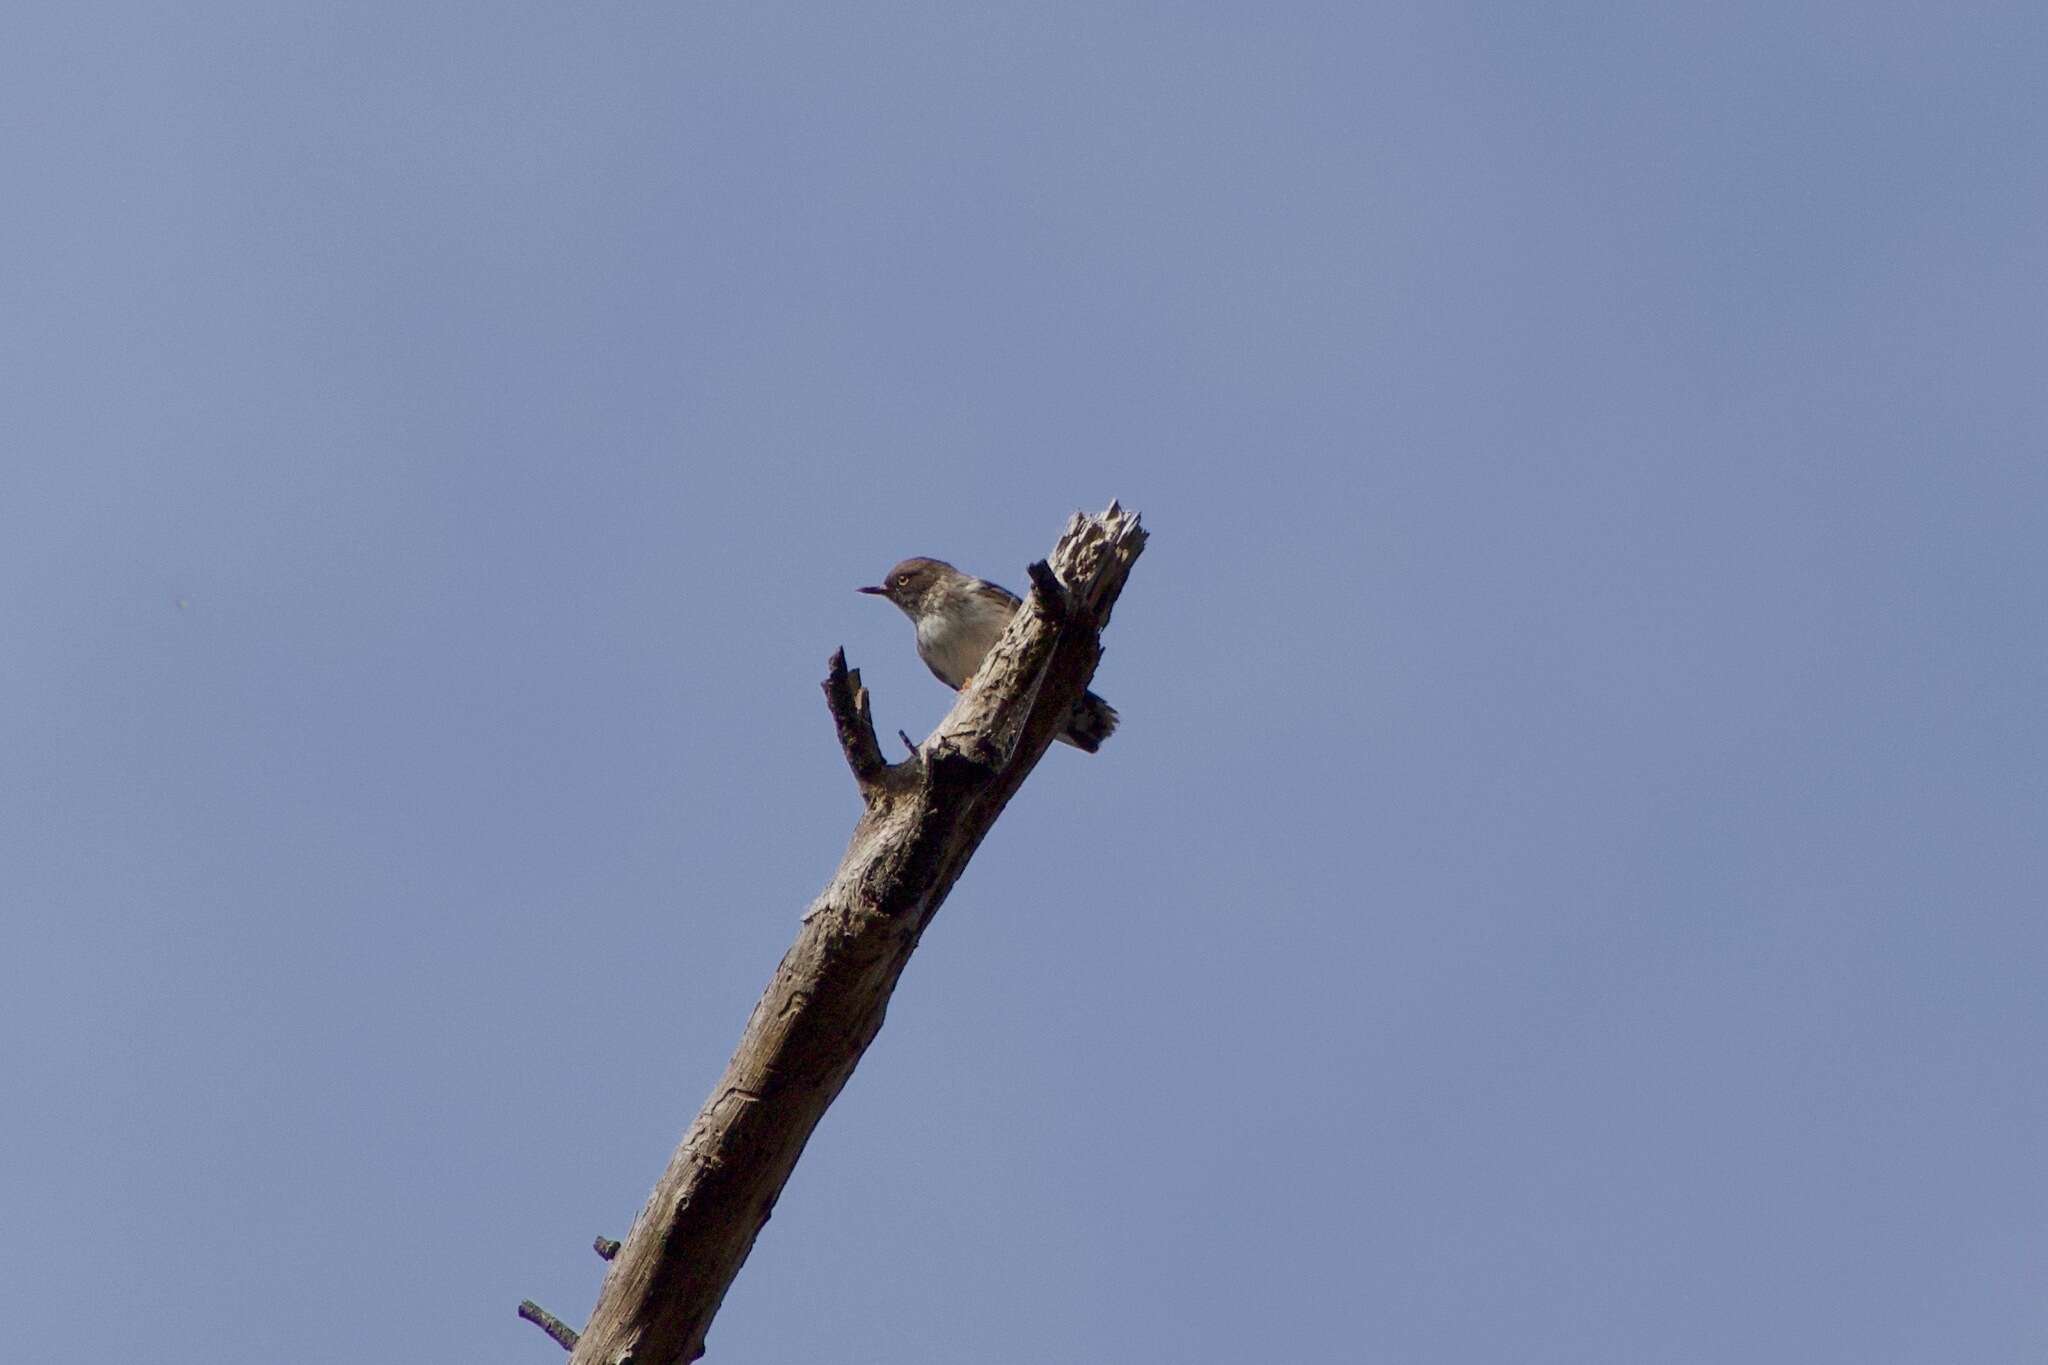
[{"x": 959, "y": 618}]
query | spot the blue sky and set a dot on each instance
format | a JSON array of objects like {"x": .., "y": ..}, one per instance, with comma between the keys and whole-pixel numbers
[{"x": 1568, "y": 887}]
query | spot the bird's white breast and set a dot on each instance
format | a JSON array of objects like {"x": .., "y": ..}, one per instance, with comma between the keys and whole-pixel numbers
[{"x": 955, "y": 641}]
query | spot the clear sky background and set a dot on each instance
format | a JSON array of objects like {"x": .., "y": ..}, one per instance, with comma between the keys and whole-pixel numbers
[{"x": 1570, "y": 884}]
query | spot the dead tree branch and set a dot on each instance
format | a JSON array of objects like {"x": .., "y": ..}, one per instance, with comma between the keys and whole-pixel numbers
[
  {"x": 562, "y": 1332},
  {"x": 848, "y": 702},
  {"x": 921, "y": 821}
]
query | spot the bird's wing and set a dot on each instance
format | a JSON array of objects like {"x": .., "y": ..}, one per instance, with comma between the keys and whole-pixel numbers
[{"x": 998, "y": 590}]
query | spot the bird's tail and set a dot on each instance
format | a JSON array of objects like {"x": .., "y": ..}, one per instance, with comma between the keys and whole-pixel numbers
[{"x": 1092, "y": 722}]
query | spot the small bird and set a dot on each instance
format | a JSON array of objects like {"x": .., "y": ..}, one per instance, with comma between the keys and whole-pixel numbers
[{"x": 958, "y": 619}]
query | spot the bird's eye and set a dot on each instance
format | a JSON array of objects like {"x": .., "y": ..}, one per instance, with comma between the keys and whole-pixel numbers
[{"x": 903, "y": 580}]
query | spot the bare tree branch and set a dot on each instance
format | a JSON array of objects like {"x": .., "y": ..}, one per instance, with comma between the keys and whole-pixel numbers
[
  {"x": 1050, "y": 590},
  {"x": 540, "y": 1317},
  {"x": 848, "y": 702},
  {"x": 921, "y": 822}
]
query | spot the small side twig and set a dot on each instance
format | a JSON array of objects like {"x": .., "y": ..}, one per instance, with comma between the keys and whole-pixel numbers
[
  {"x": 1050, "y": 591},
  {"x": 565, "y": 1336},
  {"x": 908, "y": 743},
  {"x": 848, "y": 701},
  {"x": 605, "y": 1247}
]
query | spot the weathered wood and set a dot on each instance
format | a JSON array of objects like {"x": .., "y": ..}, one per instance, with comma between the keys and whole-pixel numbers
[
  {"x": 848, "y": 702},
  {"x": 922, "y": 820},
  {"x": 562, "y": 1332}
]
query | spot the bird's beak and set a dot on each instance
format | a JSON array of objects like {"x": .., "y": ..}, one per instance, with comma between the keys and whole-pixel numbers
[{"x": 879, "y": 592}]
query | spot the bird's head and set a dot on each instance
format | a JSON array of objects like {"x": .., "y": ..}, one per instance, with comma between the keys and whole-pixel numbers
[{"x": 912, "y": 581}]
